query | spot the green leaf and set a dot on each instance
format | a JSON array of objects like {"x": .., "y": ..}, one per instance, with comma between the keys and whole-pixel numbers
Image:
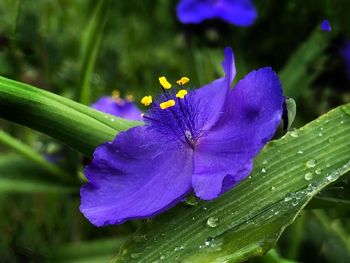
[
  {"x": 304, "y": 64},
  {"x": 19, "y": 175},
  {"x": 248, "y": 220},
  {"x": 34, "y": 156},
  {"x": 91, "y": 43},
  {"x": 87, "y": 251},
  {"x": 79, "y": 126}
]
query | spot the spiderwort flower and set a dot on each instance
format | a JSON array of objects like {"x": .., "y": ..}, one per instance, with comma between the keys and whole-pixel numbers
[
  {"x": 202, "y": 141},
  {"x": 236, "y": 12},
  {"x": 115, "y": 105},
  {"x": 325, "y": 25}
]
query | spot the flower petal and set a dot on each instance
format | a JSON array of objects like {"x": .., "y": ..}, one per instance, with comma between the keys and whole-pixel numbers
[
  {"x": 120, "y": 108},
  {"x": 136, "y": 176},
  {"x": 252, "y": 113},
  {"x": 237, "y": 12},
  {"x": 194, "y": 11},
  {"x": 210, "y": 98}
]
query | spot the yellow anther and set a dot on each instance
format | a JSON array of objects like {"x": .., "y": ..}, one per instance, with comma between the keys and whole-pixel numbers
[
  {"x": 183, "y": 81},
  {"x": 146, "y": 100},
  {"x": 116, "y": 94},
  {"x": 129, "y": 97},
  {"x": 181, "y": 93},
  {"x": 165, "y": 84},
  {"x": 167, "y": 104}
]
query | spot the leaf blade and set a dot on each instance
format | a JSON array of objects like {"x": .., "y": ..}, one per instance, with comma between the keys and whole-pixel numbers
[
  {"x": 77, "y": 125},
  {"x": 182, "y": 234}
]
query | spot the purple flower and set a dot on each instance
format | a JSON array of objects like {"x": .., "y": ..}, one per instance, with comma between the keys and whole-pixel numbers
[
  {"x": 123, "y": 108},
  {"x": 236, "y": 12},
  {"x": 345, "y": 52},
  {"x": 325, "y": 25},
  {"x": 202, "y": 141}
]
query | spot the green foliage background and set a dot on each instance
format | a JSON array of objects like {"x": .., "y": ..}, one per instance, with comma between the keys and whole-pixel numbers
[{"x": 50, "y": 43}]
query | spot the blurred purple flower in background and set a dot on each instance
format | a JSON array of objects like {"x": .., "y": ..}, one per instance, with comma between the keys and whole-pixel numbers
[
  {"x": 236, "y": 12},
  {"x": 123, "y": 108},
  {"x": 202, "y": 141},
  {"x": 325, "y": 25},
  {"x": 345, "y": 52}
]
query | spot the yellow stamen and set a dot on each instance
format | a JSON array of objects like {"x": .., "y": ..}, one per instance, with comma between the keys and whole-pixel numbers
[
  {"x": 167, "y": 104},
  {"x": 183, "y": 81},
  {"x": 181, "y": 93},
  {"x": 165, "y": 84},
  {"x": 129, "y": 97},
  {"x": 146, "y": 100},
  {"x": 116, "y": 94}
]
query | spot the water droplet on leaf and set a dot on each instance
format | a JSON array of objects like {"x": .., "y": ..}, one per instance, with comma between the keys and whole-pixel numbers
[
  {"x": 294, "y": 134},
  {"x": 213, "y": 221},
  {"x": 308, "y": 176},
  {"x": 191, "y": 200},
  {"x": 318, "y": 171},
  {"x": 310, "y": 163}
]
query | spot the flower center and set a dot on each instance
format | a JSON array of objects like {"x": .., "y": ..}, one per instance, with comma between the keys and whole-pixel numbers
[{"x": 174, "y": 114}]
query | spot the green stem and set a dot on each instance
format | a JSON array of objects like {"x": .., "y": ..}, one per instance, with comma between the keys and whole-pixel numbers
[
  {"x": 91, "y": 45},
  {"x": 335, "y": 229},
  {"x": 32, "y": 155}
]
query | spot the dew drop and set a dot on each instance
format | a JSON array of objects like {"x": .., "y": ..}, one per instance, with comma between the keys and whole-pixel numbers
[
  {"x": 310, "y": 163},
  {"x": 295, "y": 203},
  {"x": 332, "y": 177},
  {"x": 308, "y": 176},
  {"x": 213, "y": 221},
  {"x": 179, "y": 248},
  {"x": 320, "y": 134},
  {"x": 264, "y": 162},
  {"x": 191, "y": 200},
  {"x": 294, "y": 134},
  {"x": 318, "y": 171},
  {"x": 277, "y": 212},
  {"x": 288, "y": 197},
  {"x": 263, "y": 170},
  {"x": 300, "y": 152},
  {"x": 341, "y": 122},
  {"x": 273, "y": 188}
]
